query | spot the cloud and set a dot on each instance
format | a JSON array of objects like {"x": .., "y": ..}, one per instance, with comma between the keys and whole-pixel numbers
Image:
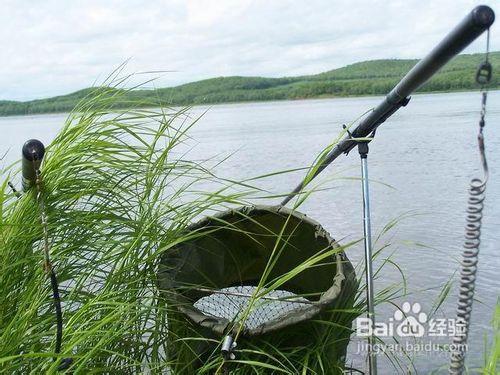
[{"x": 55, "y": 47}]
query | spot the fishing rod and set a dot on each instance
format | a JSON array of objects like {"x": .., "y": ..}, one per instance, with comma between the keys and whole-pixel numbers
[
  {"x": 471, "y": 27},
  {"x": 33, "y": 152}
]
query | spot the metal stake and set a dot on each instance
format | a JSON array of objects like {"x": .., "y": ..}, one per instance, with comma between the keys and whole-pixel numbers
[{"x": 363, "y": 152}]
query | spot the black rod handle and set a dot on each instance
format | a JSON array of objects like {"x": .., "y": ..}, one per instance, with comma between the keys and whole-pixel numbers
[
  {"x": 33, "y": 153},
  {"x": 471, "y": 27}
]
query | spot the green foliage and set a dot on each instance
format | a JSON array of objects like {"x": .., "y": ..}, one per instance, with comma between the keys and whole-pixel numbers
[
  {"x": 492, "y": 359},
  {"x": 375, "y": 77},
  {"x": 117, "y": 194}
]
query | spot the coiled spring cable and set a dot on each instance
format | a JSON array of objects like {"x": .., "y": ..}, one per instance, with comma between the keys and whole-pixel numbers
[{"x": 475, "y": 205}]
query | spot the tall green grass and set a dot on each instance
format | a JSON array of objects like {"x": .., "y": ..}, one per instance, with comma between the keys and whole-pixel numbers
[
  {"x": 492, "y": 354},
  {"x": 120, "y": 191}
]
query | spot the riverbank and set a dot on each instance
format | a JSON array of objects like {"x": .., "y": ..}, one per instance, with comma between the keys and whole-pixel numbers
[{"x": 366, "y": 78}]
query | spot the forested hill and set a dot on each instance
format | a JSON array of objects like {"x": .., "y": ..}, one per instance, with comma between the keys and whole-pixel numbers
[{"x": 364, "y": 78}]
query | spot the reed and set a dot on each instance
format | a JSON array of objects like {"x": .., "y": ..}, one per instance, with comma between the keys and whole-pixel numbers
[{"x": 120, "y": 191}]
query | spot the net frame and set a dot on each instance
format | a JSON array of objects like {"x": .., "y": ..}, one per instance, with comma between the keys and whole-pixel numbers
[{"x": 183, "y": 295}]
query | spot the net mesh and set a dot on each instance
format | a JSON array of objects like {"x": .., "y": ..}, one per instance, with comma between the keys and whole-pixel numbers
[{"x": 231, "y": 304}]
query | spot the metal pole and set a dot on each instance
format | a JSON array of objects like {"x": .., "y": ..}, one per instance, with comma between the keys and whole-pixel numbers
[{"x": 363, "y": 152}]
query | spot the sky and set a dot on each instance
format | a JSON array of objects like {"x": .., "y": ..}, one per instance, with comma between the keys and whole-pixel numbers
[{"x": 55, "y": 47}]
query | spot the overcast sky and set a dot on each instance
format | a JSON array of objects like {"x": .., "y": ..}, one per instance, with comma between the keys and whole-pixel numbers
[{"x": 56, "y": 47}]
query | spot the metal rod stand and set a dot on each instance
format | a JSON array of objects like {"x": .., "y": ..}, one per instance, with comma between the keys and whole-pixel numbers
[{"x": 363, "y": 153}]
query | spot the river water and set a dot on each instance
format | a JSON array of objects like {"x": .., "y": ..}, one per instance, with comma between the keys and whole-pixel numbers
[{"x": 420, "y": 163}]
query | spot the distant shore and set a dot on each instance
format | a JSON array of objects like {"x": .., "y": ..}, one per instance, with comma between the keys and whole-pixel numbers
[
  {"x": 368, "y": 78},
  {"x": 323, "y": 97}
]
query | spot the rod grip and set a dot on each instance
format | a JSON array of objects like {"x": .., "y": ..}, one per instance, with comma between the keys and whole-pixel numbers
[
  {"x": 32, "y": 155},
  {"x": 471, "y": 27}
]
